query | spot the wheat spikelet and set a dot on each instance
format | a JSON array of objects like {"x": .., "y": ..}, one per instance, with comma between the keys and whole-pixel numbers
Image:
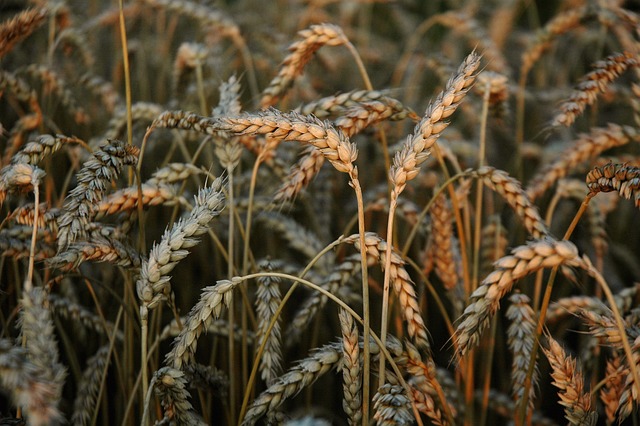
[
  {"x": 268, "y": 299},
  {"x": 208, "y": 308},
  {"x": 523, "y": 260},
  {"x": 568, "y": 379},
  {"x": 153, "y": 286},
  {"x": 351, "y": 369},
  {"x": 42, "y": 146},
  {"x": 301, "y": 174},
  {"x": 603, "y": 325},
  {"x": 521, "y": 340},
  {"x": 442, "y": 246},
  {"x": 86, "y": 398},
  {"x": 417, "y": 147},
  {"x": 98, "y": 249},
  {"x": 358, "y": 117},
  {"x": 612, "y": 390},
  {"x": 37, "y": 331},
  {"x": 93, "y": 180},
  {"x": 20, "y": 27},
  {"x": 585, "y": 147},
  {"x": 392, "y": 406},
  {"x": 47, "y": 216},
  {"x": 510, "y": 189},
  {"x": 402, "y": 285},
  {"x": 592, "y": 84},
  {"x": 292, "y": 66},
  {"x": 424, "y": 385}
]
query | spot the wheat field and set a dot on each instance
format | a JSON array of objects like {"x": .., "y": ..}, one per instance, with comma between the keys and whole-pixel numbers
[{"x": 319, "y": 212}]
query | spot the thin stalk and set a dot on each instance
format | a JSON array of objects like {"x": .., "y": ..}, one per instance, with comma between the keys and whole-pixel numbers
[
  {"x": 230, "y": 269},
  {"x": 28, "y": 285},
  {"x": 387, "y": 278}
]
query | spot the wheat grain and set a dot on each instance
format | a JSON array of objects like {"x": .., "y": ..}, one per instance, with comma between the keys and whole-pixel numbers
[
  {"x": 442, "y": 245},
  {"x": 392, "y": 406},
  {"x": 612, "y": 390}
]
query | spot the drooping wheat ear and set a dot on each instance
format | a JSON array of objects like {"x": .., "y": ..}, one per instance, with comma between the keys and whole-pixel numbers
[
  {"x": 268, "y": 299},
  {"x": 312, "y": 39},
  {"x": 603, "y": 325},
  {"x": 86, "y": 398},
  {"x": 351, "y": 369},
  {"x": 592, "y": 84},
  {"x": 560, "y": 24},
  {"x": 303, "y": 374},
  {"x": 301, "y": 174},
  {"x": 523, "y": 260},
  {"x": 202, "y": 314},
  {"x": 585, "y": 147},
  {"x": 52, "y": 83},
  {"x": 101, "y": 89},
  {"x": 27, "y": 384},
  {"x": 493, "y": 243},
  {"x": 392, "y": 406},
  {"x": 153, "y": 286},
  {"x": 188, "y": 57},
  {"x": 442, "y": 246},
  {"x": 171, "y": 385},
  {"x": 417, "y": 148},
  {"x": 126, "y": 199},
  {"x": 333, "y": 144},
  {"x": 402, "y": 285},
  {"x": 25, "y": 215},
  {"x": 425, "y": 387},
  {"x": 35, "y": 150},
  {"x": 18, "y": 178},
  {"x": 174, "y": 173},
  {"x": 511, "y": 190},
  {"x": 37, "y": 331},
  {"x": 340, "y": 275},
  {"x": 20, "y": 27},
  {"x": 615, "y": 177},
  {"x": 228, "y": 150},
  {"x": 568, "y": 379},
  {"x": 612, "y": 390},
  {"x": 64, "y": 308},
  {"x": 93, "y": 180},
  {"x": 16, "y": 241},
  {"x": 97, "y": 249},
  {"x": 208, "y": 377},
  {"x": 521, "y": 339},
  {"x": 626, "y": 299},
  {"x": 218, "y": 327}
]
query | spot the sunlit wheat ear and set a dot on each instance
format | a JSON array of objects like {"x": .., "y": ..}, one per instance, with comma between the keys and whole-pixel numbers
[
  {"x": 616, "y": 177},
  {"x": 362, "y": 115},
  {"x": 37, "y": 329},
  {"x": 268, "y": 299},
  {"x": 521, "y": 339},
  {"x": 585, "y": 147},
  {"x": 93, "y": 180},
  {"x": 592, "y": 84},
  {"x": 20, "y": 27},
  {"x": 154, "y": 286},
  {"x": 568, "y": 379},
  {"x": 312, "y": 39},
  {"x": 523, "y": 260},
  {"x": 630, "y": 397},
  {"x": 16, "y": 178},
  {"x": 401, "y": 283},
  {"x": 86, "y": 402},
  {"x": 612, "y": 390},
  {"x": 126, "y": 199},
  {"x": 417, "y": 147},
  {"x": 511, "y": 190},
  {"x": 351, "y": 369},
  {"x": 98, "y": 249},
  {"x": 442, "y": 248},
  {"x": 301, "y": 174},
  {"x": 339, "y": 276},
  {"x": 603, "y": 325},
  {"x": 392, "y": 406}
]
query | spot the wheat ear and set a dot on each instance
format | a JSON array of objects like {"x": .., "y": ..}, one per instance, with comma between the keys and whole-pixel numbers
[
  {"x": 351, "y": 371},
  {"x": 615, "y": 177},
  {"x": 523, "y": 260},
  {"x": 268, "y": 299},
  {"x": 392, "y": 406},
  {"x": 86, "y": 402},
  {"x": 568, "y": 379},
  {"x": 20, "y": 27}
]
